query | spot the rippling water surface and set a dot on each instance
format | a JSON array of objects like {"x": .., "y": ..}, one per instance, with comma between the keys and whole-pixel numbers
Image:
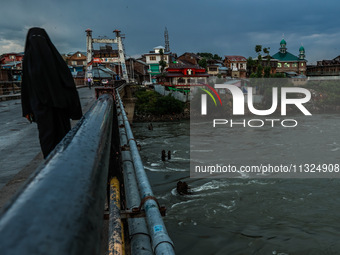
[{"x": 248, "y": 216}]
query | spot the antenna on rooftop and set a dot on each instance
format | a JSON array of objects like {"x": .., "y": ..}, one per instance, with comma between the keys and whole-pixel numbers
[{"x": 166, "y": 37}]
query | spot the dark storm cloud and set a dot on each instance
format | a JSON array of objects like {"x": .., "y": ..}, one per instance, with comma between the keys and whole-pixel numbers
[{"x": 219, "y": 26}]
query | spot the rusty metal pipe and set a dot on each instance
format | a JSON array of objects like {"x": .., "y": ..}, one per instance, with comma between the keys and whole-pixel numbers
[{"x": 116, "y": 236}]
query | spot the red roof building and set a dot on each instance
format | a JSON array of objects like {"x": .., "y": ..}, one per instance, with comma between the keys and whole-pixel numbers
[
  {"x": 237, "y": 66},
  {"x": 189, "y": 58},
  {"x": 11, "y": 57},
  {"x": 184, "y": 75},
  {"x": 11, "y": 60}
]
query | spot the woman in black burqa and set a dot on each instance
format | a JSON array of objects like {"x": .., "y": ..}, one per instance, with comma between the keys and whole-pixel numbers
[{"x": 48, "y": 93}]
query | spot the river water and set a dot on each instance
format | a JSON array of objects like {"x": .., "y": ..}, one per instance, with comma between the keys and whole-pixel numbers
[{"x": 243, "y": 215}]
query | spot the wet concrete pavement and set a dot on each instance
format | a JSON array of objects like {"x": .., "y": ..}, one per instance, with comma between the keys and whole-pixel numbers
[{"x": 19, "y": 144}]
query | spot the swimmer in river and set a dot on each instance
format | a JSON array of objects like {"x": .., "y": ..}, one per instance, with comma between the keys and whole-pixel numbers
[
  {"x": 163, "y": 155},
  {"x": 183, "y": 188}
]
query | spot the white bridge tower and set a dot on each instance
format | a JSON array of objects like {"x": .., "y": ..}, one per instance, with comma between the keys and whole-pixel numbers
[{"x": 89, "y": 49}]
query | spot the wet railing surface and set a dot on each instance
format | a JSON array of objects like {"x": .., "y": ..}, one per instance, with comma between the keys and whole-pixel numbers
[{"x": 60, "y": 210}]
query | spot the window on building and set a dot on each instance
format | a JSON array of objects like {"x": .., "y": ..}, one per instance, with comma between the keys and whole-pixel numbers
[
  {"x": 165, "y": 58},
  {"x": 152, "y": 58},
  {"x": 287, "y": 65},
  {"x": 294, "y": 64},
  {"x": 79, "y": 55},
  {"x": 11, "y": 57},
  {"x": 74, "y": 63},
  {"x": 181, "y": 80},
  {"x": 301, "y": 64},
  {"x": 279, "y": 65}
]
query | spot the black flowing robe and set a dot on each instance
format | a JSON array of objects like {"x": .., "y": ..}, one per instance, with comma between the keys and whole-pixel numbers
[{"x": 48, "y": 90}]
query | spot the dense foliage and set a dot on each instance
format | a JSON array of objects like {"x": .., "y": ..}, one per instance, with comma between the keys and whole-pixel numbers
[
  {"x": 326, "y": 92},
  {"x": 150, "y": 102},
  {"x": 208, "y": 55}
]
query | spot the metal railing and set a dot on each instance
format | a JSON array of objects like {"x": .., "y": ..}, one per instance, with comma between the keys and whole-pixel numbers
[
  {"x": 10, "y": 87},
  {"x": 60, "y": 210},
  {"x": 160, "y": 240},
  {"x": 138, "y": 232}
]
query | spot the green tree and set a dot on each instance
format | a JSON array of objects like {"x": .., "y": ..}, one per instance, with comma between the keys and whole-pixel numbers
[
  {"x": 266, "y": 51},
  {"x": 150, "y": 102},
  {"x": 205, "y": 55},
  {"x": 267, "y": 70},
  {"x": 203, "y": 63},
  {"x": 251, "y": 64},
  {"x": 168, "y": 105},
  {"x": 217, "y": 57},
  {"x": 258, "y": 49},
  {"x": 209, "y": 56},
  {"x": 162, "y": 62},
  {"x": 260, "y": 70}
]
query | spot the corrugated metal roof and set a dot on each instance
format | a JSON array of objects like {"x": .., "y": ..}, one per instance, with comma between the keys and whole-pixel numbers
[
  {"x": 102, "y": 72},
  {"x": 236, "y": 58},
  {"x": 11, "y": 64},
  {"x": 286, "y": 57},
  {"x": 140, "y": 61}
]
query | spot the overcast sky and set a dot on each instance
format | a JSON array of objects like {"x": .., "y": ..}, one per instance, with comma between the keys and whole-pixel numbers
[{"x": 218, "y": 26}]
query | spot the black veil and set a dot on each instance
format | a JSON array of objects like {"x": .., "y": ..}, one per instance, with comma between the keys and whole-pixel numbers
[{"x": 46, "y": 76}]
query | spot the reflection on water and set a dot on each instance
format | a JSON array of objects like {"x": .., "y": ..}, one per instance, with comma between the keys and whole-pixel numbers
[{"x": 247, "y": 216}]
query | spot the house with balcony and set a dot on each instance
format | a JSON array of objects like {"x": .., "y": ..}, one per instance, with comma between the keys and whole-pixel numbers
[
  {"x": 183, "y": 76},
  {"x": 329, "y": 67},
  {"x": 107, "y": 57},
  {"x": 237, "y": 66},
  {"x": 11, "y": 61},
  {"x": 10, "y": 58},
  {"x": 153, "y": 58},
  {"x": 216, "y": 67},
  {"x": 11, "y": 66},
  {"x": 181, "y": 80},
  {"x": 137, "y": 70},
  {"x": 76, "y": 62}
]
